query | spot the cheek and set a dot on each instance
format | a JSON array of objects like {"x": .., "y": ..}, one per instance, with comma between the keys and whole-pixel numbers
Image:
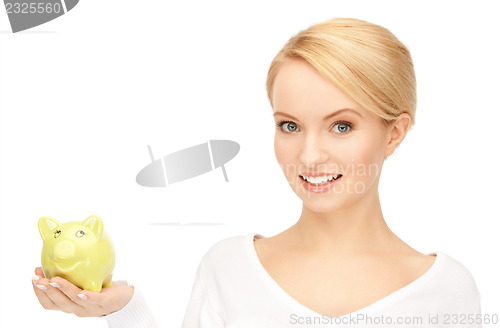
[
  {"x": 364, "y": 156},
  {"x": 285, "y": 153},
  {"x": 281, "y": 150}
]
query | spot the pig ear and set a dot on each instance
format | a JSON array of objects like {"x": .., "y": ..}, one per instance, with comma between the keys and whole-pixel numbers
[
  {"x": 46, "y": 224},
  {"x": 94, "y": 223}
]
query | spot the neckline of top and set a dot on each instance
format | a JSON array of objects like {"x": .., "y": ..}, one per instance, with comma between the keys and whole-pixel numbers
[{"x": 369, "y": 309}]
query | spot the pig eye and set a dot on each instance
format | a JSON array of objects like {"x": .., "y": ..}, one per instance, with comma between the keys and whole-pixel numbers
[
  {"x": 80, "y": 233},
  {"x": 57, "y": 233}
]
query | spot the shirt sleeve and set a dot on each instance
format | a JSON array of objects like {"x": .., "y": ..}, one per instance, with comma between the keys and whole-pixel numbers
[
  {"x": 200, "y": 312},
  {"x": 478, "y": 313},
  {"x": 467, "y": 298},
  {"x": 473, "y": 297},
  {"x": 135, "y": 314}
]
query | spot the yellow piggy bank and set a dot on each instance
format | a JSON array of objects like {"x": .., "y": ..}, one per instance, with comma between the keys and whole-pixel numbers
[{"x": 80, "y": 252}]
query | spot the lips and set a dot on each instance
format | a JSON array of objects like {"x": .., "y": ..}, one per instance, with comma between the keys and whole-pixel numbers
[
  {"x": 317, "y": 174},
  {"x": 314, "y": 178},
  {"x": 321, "y": 187}
]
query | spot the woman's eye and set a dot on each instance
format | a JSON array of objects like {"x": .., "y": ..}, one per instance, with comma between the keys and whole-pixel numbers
[
  {"x": 343, "y": 127},
  {"x": 291, "y": 127},
  {"x": 339, "y": 127}
]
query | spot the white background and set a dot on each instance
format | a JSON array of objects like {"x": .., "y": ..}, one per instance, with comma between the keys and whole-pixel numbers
[{"x": 83, "y": 95}]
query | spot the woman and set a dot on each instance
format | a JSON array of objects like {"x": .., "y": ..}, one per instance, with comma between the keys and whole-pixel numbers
[{"x": 343, "y": 94}]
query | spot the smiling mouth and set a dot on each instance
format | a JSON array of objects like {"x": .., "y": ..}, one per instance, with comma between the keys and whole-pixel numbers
[
  {"x": 61, "y": 266},
  {"x": 318, "y": 181}
]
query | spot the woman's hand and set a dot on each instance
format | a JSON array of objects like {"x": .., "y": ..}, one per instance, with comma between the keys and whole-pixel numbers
[{"x": 59, "y": 294}]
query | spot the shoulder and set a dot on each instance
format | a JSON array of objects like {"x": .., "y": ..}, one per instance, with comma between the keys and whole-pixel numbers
[
  {"x": 227, "y": 252},
  {"x": 456, "y": 278},
  {"x": 455, "y": 270},
  {"x": 228, "y": 246}
]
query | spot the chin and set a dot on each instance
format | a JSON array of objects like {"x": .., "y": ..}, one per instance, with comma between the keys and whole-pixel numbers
[
  {"x": 324, "y": 208},
  {"x": 330, "y": 201},
  {"x": 318, "y": 202}
]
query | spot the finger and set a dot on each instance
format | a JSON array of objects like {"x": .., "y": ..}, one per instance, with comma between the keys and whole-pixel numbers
[
  {"x": 93, "y": 298},
  {"x": 107, "y": 296},
  {"x": 67, "y": 288},
  {"x": 40, "y": 283},
  {"x": 61, "y": 299},
  {"x": 43, "y": 299},
  {"x": 91, "y": 303},
  {"x": 62, "y": 302},
  {"x": 39, "y": 272}
]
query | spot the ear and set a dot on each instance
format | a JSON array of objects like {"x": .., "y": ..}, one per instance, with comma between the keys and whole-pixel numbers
[
  {"x": 46, "y": 224},
  {"x": 396, "y": 133},
  {"x": 94, "y": 223}
]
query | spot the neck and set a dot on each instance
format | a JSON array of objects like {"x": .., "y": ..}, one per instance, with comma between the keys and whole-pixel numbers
[{"x": 356, "y": 229}]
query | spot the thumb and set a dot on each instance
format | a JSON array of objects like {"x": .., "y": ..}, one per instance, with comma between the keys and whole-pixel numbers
[{"x": 39, "y": 272}]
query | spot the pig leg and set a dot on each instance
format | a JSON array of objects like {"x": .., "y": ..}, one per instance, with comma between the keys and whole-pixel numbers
[
  {"x": 107, "y": 282},
  {"x": 93, "y": 286}
]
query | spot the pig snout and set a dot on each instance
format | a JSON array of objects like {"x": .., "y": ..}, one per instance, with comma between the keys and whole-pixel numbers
[{"x": 64, "y": 250}]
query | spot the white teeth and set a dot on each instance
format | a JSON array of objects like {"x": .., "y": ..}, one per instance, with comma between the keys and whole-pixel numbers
[{"x": 321, "y": 180}]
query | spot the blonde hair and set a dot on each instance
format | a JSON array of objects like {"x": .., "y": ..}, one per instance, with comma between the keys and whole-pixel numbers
[{"x": 365, "y": 61}]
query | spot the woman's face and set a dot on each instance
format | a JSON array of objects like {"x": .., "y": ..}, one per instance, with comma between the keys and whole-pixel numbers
[{"x": 322, "y": 132}]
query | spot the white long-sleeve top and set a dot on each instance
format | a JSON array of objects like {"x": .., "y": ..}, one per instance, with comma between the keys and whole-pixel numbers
[{"x": 233, "y": 290}]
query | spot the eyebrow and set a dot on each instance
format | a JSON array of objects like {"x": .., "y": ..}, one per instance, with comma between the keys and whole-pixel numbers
[{"x": 326, "y": 117}]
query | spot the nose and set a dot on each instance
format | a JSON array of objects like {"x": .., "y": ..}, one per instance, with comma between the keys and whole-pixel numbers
[
  {"x": 313, "y": 151},
  {"x": 64, "y": 250}
]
